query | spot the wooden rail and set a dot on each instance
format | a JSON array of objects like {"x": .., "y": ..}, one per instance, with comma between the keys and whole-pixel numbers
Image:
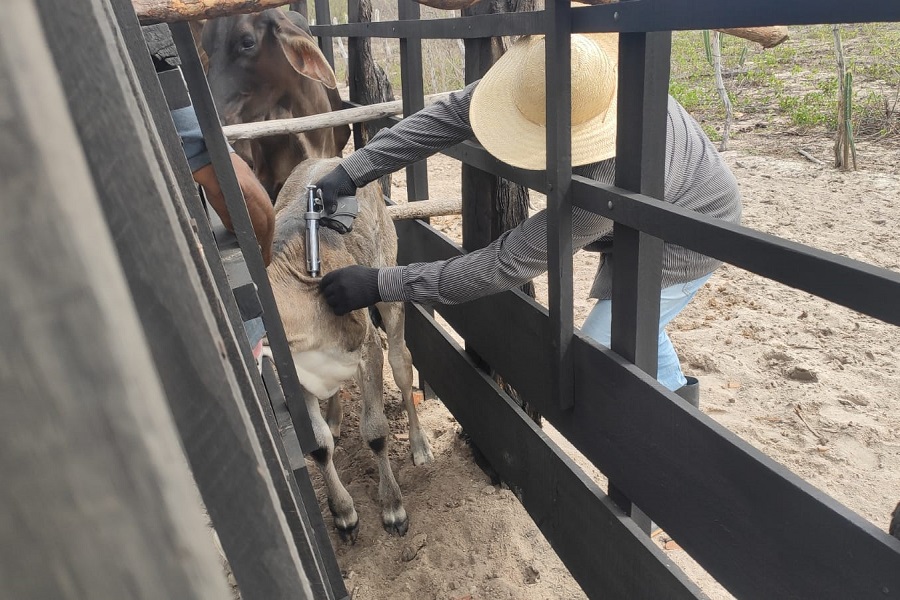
[{"x": 348, "y": 116}]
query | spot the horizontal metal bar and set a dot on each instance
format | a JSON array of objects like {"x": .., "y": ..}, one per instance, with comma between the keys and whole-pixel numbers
[
  {"x": 525, "y": 23},
  {"x": 857, "y": 285},
  {"x": 673, "y": 15},
  {"x": 759, "y": 529}
]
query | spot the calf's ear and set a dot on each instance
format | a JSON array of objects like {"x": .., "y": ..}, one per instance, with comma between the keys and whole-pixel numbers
[{"x": 304, "y": 55}]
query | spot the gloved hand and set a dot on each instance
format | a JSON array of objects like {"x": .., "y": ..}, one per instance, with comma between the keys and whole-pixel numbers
[
  {"x": 334, "y": 184},
  {"x": 350, "y": 288}
]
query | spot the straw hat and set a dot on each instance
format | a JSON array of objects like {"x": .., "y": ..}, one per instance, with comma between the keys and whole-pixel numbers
[{"x": 508, "y": 109}]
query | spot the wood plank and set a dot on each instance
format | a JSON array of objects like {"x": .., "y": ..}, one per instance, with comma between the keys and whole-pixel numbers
[
  {"x": 423, "y": 209},
  {"x": 362, "y": 114},
  {"x": 760, "y": 530},
  {"x": 97, "y": 500},
  {"x": 161, "y": 269},
  {"x": 599, "y": 545},
  {"x": 296, "y": 462},
  {"x": 171, "y": 11},
  {"x": 413, "y": 95}
]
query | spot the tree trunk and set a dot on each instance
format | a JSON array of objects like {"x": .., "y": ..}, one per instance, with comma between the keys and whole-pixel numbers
[{"x": 368, "y": 82}]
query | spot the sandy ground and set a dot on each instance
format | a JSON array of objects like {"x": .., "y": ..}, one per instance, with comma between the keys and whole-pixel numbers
[{"x": 765, "y": 355}]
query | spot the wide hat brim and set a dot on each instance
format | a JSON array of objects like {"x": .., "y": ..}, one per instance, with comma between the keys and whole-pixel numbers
[{"x": 504, "y": 132}]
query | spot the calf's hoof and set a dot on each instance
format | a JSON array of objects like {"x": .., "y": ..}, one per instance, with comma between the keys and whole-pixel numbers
[
  {"x": 395, "y": 522},
  {"x": 347, "y": 526},
  {"x": 348, "y": 534}
]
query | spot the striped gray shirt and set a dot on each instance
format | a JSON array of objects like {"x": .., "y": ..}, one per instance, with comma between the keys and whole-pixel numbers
[{"x": 696, "y": 178}]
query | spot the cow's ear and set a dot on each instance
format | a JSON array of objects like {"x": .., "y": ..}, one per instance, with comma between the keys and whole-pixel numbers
[{"x": 304, "y": 55}]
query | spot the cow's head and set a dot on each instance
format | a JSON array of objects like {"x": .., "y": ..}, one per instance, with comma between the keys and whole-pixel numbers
[
  {"x": 253, "y": 61},
  {"x": 267, "y": 66}
]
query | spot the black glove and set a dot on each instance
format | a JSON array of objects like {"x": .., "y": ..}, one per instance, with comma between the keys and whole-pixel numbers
[
  {"x": 350, "y": 288},
  {"x": 334, "y": 184}
]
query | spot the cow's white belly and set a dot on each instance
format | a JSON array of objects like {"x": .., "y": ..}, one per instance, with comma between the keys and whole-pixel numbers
[{"x": 322, "y": 372}]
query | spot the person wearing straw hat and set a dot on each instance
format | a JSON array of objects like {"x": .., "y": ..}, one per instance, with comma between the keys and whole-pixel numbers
[{"x": 505, "y": 111}]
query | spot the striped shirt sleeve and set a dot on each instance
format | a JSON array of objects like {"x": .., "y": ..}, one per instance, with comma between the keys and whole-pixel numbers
[{"x": 517, "y": 256}]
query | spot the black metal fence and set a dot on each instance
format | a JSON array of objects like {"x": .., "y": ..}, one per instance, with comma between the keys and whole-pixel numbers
[{"x": 761, "y": 531}]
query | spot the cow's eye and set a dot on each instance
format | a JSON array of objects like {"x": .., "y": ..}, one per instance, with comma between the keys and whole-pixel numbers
[{"x": 248, "y": 42}]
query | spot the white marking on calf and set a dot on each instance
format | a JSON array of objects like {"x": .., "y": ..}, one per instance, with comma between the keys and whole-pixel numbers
[{"x": 322, "y": 372}]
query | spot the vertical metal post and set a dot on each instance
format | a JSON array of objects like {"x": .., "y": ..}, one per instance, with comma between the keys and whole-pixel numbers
[
  {"x": 411, "y": 81},
  {"x": 640, "y": 167},
  {"x": 559, "y": 203},
  {"x": 323, "y": 17}
]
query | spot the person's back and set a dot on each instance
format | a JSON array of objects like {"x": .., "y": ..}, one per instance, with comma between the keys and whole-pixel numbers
[{"x": 696, "y": 178}]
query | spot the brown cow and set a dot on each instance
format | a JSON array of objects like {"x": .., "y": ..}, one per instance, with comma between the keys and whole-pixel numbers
[{"x": 267, "y": 66}]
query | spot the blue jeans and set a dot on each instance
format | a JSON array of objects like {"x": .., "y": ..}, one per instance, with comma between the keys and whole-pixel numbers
[{"x": 672, "y": 301}]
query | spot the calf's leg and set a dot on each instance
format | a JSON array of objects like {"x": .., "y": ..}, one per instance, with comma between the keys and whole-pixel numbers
[
  {"x": 393, "y": 317},
  {"x": 335, "y": 415},
  {"x": 375, "y": 431},
  {"x": 339, "y": 501}
]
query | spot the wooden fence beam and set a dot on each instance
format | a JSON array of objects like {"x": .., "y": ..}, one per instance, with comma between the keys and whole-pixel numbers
[
  {"x": 347, "y": 116},
  {"x": 97, "y": 500},
  {"x": 172, "y": 11},
  {"x": 423, "y": 209}
]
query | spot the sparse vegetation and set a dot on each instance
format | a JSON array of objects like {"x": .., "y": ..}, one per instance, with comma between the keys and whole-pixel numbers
[{"x": 794, "y": 85}]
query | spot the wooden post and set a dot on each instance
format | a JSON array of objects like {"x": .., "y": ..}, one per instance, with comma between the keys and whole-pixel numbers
[
  {"x": 323, "y": 17},
  {"x": 492, "y": 205},
  {"x": 97, "y": 500},
  {"x": 181, "y": 331}
]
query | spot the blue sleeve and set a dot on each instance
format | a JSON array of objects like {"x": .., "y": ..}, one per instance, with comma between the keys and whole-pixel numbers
[{"x": 192, "y": 141}]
